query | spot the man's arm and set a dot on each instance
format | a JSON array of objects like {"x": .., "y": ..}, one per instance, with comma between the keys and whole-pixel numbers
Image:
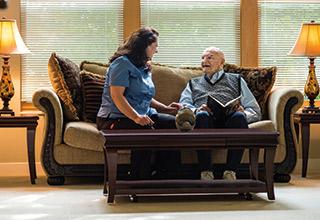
[
  {"x": 249, "y": 103},
  {"x": 186, "y": 98}
]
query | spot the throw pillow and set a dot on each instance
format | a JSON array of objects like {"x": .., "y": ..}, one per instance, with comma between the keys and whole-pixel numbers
[
  {"x": 92, "y": 88},
  {"x": 94, "y": 67},
  {"x": 260, "y": 81},
  {"x": 65, "y": 80}
]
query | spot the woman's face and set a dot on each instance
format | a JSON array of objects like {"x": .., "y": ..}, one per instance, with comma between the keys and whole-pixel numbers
[{"x": 152, "y": 49}]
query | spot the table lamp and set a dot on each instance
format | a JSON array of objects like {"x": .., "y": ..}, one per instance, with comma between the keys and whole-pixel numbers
[
  {"x": 308, "y": 45},
  {"x": 10, "y": 43}
]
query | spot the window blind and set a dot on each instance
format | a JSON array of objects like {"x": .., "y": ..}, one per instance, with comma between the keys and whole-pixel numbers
[
  {"x": 76, "y": 29},
  {"x": 280, "y": 23},
  {"x": 187, "y": 27}
]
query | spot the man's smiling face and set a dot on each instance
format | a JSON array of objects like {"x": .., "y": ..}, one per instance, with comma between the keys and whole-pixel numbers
[{"x": 211, "y": 62}]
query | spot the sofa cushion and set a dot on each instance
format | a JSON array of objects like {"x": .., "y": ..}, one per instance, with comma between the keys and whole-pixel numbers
[
  {"x": 65, "y": 80},
  {"x": 266, "y": 125},
  {"x": 83, "y": 135},
  {"x": 92, "y": 88},
  {"x": 260, "y": 81}
]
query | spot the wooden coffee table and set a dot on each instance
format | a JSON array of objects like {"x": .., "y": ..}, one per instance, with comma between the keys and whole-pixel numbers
[{"x": 161, "y": 139}]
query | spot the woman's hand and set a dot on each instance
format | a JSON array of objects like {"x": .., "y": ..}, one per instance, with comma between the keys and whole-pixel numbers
[
  {"x": 148, "y": 65},
  {"x": 143, "y": 120},
  {"x": 173, "y": 108}
]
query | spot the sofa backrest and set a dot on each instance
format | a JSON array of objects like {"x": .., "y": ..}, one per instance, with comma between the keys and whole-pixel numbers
[{"x": 169, "y": 83}]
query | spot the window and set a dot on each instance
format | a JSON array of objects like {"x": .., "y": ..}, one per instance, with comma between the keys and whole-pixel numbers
[
  {"x": 76, "y": 29},
  {"x": 280, "y": 23},
  {"x": 187, "y": 27}
]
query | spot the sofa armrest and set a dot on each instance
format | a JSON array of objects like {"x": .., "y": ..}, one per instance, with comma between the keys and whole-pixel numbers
[
  {"x": 282, "y": 104},
  {"x": 46, "y": 100},
  {"x": 277, "y": 100}
]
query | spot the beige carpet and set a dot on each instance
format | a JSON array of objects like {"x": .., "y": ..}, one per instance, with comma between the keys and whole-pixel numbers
[{"x": 78, "y": 199}]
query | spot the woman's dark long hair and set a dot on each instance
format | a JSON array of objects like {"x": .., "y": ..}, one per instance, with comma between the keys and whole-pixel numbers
[{"x": 135, "y": 46}]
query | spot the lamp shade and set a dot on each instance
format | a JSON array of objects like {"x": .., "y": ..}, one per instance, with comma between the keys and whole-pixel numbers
[
  {"x": 308, "y": 42},
  {"x": 10, "y": 39}
]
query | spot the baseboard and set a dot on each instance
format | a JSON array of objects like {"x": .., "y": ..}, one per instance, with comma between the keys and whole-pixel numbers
[
  {"x": 19, "y": 169},
  {"x": 313, "y": 167}
]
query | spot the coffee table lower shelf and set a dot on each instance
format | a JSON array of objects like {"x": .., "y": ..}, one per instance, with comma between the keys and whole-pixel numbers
[{"x": 188, "y": 187}]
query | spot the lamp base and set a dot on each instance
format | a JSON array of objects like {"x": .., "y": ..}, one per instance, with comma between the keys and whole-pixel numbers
[
  {"x": 6, "y": 112},
  {"x": 311, "y": 109}
]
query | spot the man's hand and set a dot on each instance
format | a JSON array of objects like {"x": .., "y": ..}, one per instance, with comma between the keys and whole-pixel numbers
[
  {"x": 239, "y": 108},
  {"x": 204, "y": 107}
]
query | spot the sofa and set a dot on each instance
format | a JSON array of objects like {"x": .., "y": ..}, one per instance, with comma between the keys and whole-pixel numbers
[{"x": 73, "y": 147}]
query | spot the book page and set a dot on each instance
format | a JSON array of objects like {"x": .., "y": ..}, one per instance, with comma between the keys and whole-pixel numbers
[
  {"x": 217, "y": 108},
  {"x": 233, "y": 102}
]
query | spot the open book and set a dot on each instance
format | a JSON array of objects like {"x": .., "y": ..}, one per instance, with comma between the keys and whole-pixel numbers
[{"x": 219, "y": 109}]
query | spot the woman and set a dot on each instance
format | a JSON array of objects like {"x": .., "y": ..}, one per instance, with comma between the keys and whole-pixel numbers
[{"x": 127, "y": 100}]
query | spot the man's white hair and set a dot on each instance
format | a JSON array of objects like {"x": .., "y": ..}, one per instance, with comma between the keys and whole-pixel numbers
[{"x": 214, "y": 50}]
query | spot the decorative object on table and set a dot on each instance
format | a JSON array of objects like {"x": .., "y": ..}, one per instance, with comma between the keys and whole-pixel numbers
[
  {"x": 185, "y": 119},
  {"x": 10, "y": 43},
  {"x": 308, "y": 45}
]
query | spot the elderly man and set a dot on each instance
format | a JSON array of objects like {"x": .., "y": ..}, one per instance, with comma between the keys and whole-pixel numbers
[{"x": 224, "y": 87}]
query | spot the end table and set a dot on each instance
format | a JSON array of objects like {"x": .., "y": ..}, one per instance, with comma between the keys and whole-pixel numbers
[
  {"x": 30, "y": 122},
  {"x": 302, "y": 122}
]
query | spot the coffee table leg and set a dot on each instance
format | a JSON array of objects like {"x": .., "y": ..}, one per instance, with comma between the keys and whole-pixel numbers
[
  {"x": 269, "y": 163},
  {"x": 305, "y": 137},
  {"x": 254, "y": 157},
  {"x": 31, "y": 154},
  {"x": 112, "y": 174},
  {"x": 105, "y": 185}
]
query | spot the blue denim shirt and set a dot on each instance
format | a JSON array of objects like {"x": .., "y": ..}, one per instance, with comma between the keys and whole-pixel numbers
[
  {"x": 139, "y": 88},
  {"x": 248, "y": 101}
]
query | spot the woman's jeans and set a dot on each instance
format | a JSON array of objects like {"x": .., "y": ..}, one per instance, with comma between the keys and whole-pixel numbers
[{"x": 141, "y": 160}]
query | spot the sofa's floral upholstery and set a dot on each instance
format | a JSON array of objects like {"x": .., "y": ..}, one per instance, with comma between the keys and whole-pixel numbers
[{"x": 260, "y": 81}]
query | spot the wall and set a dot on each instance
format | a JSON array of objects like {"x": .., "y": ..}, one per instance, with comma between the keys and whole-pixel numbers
[{"x": 13, "y": 150}]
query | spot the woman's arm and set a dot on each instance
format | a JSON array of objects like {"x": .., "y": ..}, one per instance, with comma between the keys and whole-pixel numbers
[
  {"x": 169, "y": 109},
  {"x": 125, "y": 108}
]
